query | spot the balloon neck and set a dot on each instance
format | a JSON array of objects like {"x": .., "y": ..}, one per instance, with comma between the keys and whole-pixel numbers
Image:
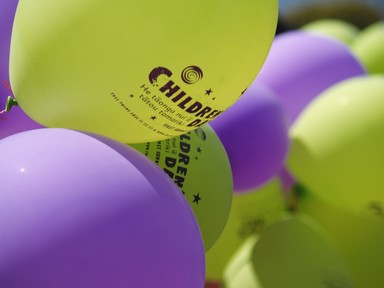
[
  {"x": 8, "y": 106},
  {"x": 10, "y": 103},
  {"x": 297, "y": 192}
]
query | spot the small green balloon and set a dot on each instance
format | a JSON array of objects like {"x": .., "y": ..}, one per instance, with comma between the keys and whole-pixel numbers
[
  {"x": 359, "y": 239},
  {"x": 368, "y": 46},
  {"x": 335, "y": 28},
  {"x": 294, "y": 252},
  {"x": 136, "y": 70},
  {"x": 199, "y": 166},
  {"x": 337, "y": 145},
  {"x": 251, "y": 213}
]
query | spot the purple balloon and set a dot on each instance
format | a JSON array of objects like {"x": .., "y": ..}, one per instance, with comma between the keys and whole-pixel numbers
[
  {"x": 254, "y": 134},
  {"x": 79, "y": 210},
  {"x": 16, "y": 120},
  {"x": 300, "y": 65}
]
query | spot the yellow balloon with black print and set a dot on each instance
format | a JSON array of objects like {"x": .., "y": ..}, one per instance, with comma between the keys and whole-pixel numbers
[{"x": 136, "y": 71}]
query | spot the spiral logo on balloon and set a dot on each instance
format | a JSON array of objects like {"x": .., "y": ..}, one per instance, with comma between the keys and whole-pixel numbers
[{"x": 191, "y": 74}]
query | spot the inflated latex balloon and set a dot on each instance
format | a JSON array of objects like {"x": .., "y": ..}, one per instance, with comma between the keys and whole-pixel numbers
[
  {"x": 254, "y": 133},
  {"x": 251, "y": 213},
  {"x": 197, "y": 163},
  {"x": 369, "y": 47},
  {"x": 301, "y": 65},
  {"x": 15, "y": 120},
  {"x": 359, "y": 239},
  {"x": 137, "y": 71},
  {"x": 80, "y": 210},
  {"x": 292, "y": 253},
  {"x": 337, "y": 145},
  {"x": 335, "y": 28}
]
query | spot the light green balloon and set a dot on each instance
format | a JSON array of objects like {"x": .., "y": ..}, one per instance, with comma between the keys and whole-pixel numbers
[
  {"x": 337, "y": 149},
  {"x": 136, "y": 70},
  {"x": 251, "y": 213},
  {"x": 199, "y": 166},
  {"x": 368, "y": 46},
  {"x": 359, "y": 239},
  {"x": 294, "y": 252},
  {"x": 335, "y": 28}
]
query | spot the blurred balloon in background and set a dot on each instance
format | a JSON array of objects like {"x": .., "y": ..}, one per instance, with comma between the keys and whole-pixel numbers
[
  {"x": 335, "y": 28},
  {"x": 199, "y": 166},
  {"x": 337, "y": 145},
  {"x": 360, "y": 13},
  {"x": 301, "y": 65},
  {"x": 369, "y": 47},
  {"x": 294, "y": 252},
  {"x": 15, "y": 120},
  {"x": 80, "y": 210},
  {"x": 359, "y": 239},
  {"x": 254, "y": 133},
  {"x": 251, "y": 213},
  {"x": 137, "y": 71}
]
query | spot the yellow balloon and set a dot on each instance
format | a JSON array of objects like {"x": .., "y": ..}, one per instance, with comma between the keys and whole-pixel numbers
[
  {"x": 336, "y": 28},
  {"x": 294, "y": 252},
  {"x": 359, "y": 238},
  {"x": 368, "y": 46},
  {"x": 337, "y": 145},
  {"x": 136, "y": 71},
  {"x": 199, "y": 166},
  {"x": 251, "y": 213}
]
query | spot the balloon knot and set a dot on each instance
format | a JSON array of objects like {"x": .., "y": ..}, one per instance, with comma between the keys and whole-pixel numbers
[
  {"x": 10, "y": 103},
  {"x": 8, "y": 106}
]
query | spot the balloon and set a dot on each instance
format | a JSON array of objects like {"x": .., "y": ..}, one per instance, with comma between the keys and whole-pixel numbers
[
  {"x": 80, "y": 210},
  {"x": 301, "y": 65},
  {"x": 199, "y": 166},
  {"x": 255, "y": 135},
  {"x": 251, "y": 213},
  {"x": 368, "y": 46},
  {"x": 294, "y": 252},
  {"x": 137, "y": 71},
  {"x": 359, "y": 12},
  {"x": 15, "y": 120},
  {"x": 335, "y": 28},
  {"x": 337, "y": 145},
  {"x": 359, "y": 239}
]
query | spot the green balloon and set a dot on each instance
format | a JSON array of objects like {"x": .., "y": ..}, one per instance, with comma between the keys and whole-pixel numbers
[
  {"x": 359, "y": 239},
  {"x": 136, "y": 71},
  {"x": 199, "y": 166},
  {"x": 368, "y": 46},
  {"x": 294, "y": 252},
  {"x": 337, "y": 145},
  {"x": 335, "y": 28},
  {"x": 251, "y": 213}
]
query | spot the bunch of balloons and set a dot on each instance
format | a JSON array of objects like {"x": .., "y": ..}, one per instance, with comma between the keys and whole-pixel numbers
[
  {"x": 110, "y": 175},
  {"x": 318, "y": 222},
  {"x": 185, "y": 144}
]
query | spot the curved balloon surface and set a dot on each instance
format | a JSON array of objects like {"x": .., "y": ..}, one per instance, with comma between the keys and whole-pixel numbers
[
  {"x": 301, "y": 65},
  {"x": 199, "y": 166},
  {"x": 369, "y": 47},
  {"x": 335, "y": 28},
  {"x": 254, "y": 132},
  {"x": 80, "y": 210},
  {"x": 295, "y": 252},
  {"x": 15, "y": 120},
  {"x": 337, "y": 145},
  {"x": 137, "y": 71},
  {"x": 251, "y": 213}
]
